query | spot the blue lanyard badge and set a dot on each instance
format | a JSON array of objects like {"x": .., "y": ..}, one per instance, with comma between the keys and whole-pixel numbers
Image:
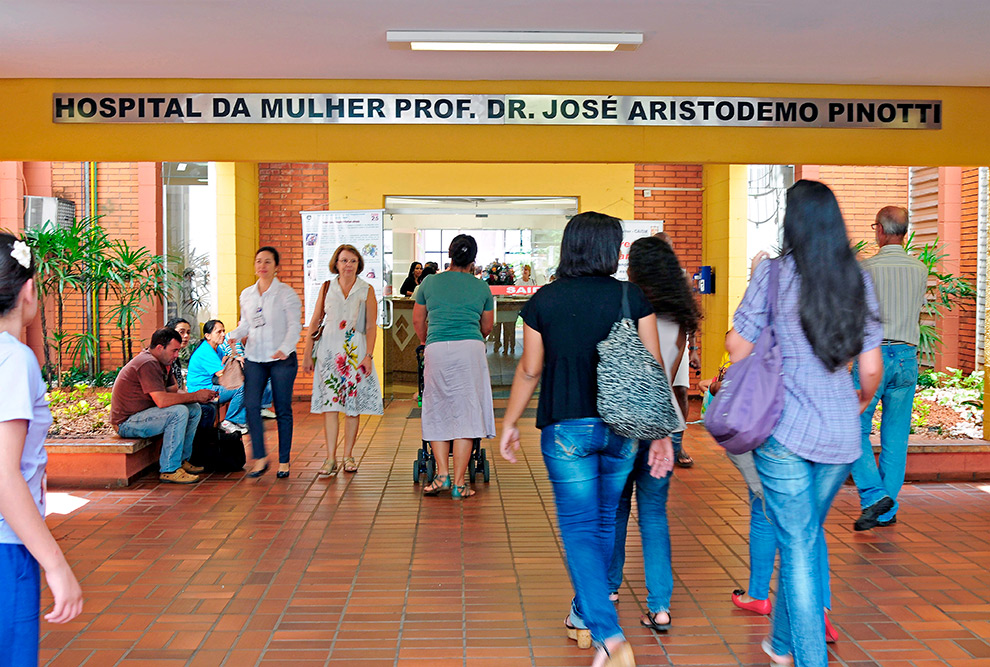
[{"x": 258, "y": 320}]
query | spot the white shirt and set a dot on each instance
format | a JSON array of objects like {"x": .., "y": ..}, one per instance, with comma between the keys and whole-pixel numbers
[
  {"x": 24, "y": 398},
  {"x": 271, "y": 321}
]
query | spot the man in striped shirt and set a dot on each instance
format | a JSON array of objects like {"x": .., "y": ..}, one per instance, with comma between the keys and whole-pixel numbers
[{"x": 900, "y": 281}]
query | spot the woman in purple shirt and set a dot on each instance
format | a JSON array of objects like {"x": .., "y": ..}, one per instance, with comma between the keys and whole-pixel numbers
[
  {"x": 24, "y": 420},
  {"x": 824, "y": 317}
]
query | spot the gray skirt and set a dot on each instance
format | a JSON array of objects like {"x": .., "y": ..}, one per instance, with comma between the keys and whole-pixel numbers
[{"x": 457, "y": 391}]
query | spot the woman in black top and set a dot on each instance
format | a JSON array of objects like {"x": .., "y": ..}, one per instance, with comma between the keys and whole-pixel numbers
[
  {"x": 587, "y": 463},
  {"x": 409, "y": 284}
]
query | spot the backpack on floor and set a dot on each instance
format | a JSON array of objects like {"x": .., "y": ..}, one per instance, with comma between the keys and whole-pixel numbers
[{"x": 218, "y": 451}]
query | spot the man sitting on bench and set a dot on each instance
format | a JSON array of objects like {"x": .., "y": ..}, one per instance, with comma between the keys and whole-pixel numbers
[{"x": 146, "y": 402}]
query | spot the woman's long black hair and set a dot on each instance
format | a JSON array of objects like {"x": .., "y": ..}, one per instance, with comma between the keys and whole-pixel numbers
[
  {"x": 412, "y": 270},
  {"x": 590, "y": 246},
  {"x": 12, "y": 274},
  {"x": 654, "y": 267},
  {"x": 833, "y": 297}
]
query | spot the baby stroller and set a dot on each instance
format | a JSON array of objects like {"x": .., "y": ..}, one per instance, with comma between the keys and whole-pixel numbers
[{"x": 426, "y": 463}]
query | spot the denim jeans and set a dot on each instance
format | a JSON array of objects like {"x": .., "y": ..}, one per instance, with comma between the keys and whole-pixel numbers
[
  {"x": 235, "y": 411},
  {"x": 651, "y": 506},
  {"x": 20, "y": 600},
  {"x": 282, "y": 374},
  {"x": 176, "y": 423},
  {"x": 896, "y": 394},
  {"x": 676, "y": 441},
  {"x": 588, "y": 466},
  {"x": 798, "y": 494}
]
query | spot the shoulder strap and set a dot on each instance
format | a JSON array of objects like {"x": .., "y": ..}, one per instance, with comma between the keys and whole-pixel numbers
[{"x": 625, "y": 301}]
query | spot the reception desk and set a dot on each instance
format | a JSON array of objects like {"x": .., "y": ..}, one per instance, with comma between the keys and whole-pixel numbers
[{"x": 401, "y": 341}]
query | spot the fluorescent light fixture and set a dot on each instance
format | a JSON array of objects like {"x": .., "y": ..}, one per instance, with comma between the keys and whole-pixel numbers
[{"x": 515, "y": 40}]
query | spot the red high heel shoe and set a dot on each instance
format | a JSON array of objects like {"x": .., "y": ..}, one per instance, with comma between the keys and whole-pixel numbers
[
  {"x": 831, "y": 634},
  {"x": 758, "y": 606}
]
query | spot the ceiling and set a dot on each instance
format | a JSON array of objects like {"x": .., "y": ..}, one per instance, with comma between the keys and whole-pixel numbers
[{"x": 800, "y": 41}]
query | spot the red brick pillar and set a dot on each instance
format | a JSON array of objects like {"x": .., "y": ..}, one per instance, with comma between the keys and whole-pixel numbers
[
  {"x": 150, "y": 234},
  {"x": 950, "y": 240}
]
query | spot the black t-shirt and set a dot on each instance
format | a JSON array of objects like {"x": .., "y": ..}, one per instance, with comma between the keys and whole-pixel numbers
[
  {"x": 408, "y": 285},
  {"x": 573, "y": 315}
]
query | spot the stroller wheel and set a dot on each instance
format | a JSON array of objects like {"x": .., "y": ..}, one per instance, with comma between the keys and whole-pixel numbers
[
  {"x": 486, "y": 470},
  {"x": 417, "y": 471}
]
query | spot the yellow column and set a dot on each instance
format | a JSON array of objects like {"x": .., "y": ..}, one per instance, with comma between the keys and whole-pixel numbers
[
  {"x": 724, "y": 249},
  {"x": 237, "y": 234}
]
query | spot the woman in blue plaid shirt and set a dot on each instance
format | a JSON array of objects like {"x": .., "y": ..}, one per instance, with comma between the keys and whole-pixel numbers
[{"x": 824, "y": 317}]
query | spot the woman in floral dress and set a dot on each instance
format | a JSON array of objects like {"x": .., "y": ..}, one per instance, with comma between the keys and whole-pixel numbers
[{"x": 344, "y": 379}]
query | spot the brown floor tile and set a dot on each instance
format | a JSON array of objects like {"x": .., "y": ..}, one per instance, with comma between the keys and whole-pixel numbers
[{"x": 361, "y": 570}]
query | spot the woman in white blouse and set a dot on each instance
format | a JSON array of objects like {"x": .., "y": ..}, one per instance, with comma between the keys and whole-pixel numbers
[{"x": 271, "y": 321}]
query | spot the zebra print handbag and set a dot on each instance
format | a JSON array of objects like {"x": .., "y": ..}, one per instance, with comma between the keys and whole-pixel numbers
[{"x": 634, "y": 396}]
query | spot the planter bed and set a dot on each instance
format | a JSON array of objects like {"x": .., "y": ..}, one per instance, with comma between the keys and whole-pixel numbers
[{"x": 931, "y": 460}]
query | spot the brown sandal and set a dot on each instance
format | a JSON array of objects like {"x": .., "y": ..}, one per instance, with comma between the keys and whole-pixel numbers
[{"x": 350, "y": 465}]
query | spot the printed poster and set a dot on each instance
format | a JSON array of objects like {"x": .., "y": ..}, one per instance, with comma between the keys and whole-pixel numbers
[
  {"x": 632, "y": 230},
  {"x": 323, "y": 232}
]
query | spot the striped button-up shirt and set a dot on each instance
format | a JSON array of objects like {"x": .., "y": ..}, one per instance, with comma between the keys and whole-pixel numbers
[
  {"x": 820, "y": 421},
  {"x": 900, "y": 281}
]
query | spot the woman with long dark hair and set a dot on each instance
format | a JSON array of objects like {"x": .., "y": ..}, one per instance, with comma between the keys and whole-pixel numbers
[
  {"x": 825, "y": 316},
  {"x": 412, "y": 280},
  {"x": 654, "y": 267},
  {"x": 25, "y": 541},
  {"x": 587, "y": 463},
  {"x": 452, "y": 315}
]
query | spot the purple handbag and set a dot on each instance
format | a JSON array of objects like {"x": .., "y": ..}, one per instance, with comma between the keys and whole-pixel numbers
[{"x": 747, "y": 407}]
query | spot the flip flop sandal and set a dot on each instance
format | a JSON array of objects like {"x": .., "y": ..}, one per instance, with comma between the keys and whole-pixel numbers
[
  {"x": 350, "y": 465},
  {"x": 684, "y": 461},
  {"x": 329, "y": 469},
  {"x": 649, "y": 620}
]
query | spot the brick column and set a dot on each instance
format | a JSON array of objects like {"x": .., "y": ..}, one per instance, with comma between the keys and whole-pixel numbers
[{"x": 950, "y": 239}]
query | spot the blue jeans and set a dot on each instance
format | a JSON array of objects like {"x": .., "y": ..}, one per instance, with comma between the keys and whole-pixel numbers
[
  {"x": 676, "y": 441},
  {"x": 588, "y": 466},
  {"x": 176, "y": 423},
  {"x": 896, "y": 393},
  {"x": 20, "y": 599},
  {"x": 651, "y": 504},
  {"x": 235, "y": 411},
  {"x": 282, "y": 374},
  {"x": 798, "y": 494}
]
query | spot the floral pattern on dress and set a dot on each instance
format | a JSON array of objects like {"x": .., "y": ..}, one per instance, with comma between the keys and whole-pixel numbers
[{"x": 339, "y": 384}]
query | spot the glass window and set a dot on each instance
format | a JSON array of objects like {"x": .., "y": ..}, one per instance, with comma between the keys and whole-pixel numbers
[{"x": 191, "y": 241}]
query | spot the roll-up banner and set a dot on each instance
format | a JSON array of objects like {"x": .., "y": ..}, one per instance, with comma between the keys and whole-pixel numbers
[{"x": 323, "y": 232}]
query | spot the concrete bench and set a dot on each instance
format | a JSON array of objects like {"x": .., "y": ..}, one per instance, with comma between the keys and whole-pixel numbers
[{"x": 106, "y": 462}]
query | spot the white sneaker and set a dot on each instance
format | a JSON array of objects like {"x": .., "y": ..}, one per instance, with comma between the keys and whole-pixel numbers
[
  {"x": 231, "y": 427},
  {"x": 267, "y": 413}
]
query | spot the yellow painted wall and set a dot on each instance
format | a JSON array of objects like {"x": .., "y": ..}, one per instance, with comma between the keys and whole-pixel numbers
[
  {"x": 237, "y": 226},
  {"x": 29, "y": 133},
  {"x": 724, "y": 249},
  {"x": 607, "y": 188}
]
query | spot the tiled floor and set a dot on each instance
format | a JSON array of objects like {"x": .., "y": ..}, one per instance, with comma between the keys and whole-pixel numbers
[{"x": 361, "y": 570}]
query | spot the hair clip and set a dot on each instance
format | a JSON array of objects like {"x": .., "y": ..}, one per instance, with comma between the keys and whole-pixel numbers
[{"x": 22, "y": 254}]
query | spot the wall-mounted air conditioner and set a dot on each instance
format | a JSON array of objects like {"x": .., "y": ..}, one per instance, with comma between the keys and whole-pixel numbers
[{"x": 39, "y": 210}]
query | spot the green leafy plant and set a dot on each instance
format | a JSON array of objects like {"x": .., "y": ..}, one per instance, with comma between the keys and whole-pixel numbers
[{"x": 82, "y": 259}]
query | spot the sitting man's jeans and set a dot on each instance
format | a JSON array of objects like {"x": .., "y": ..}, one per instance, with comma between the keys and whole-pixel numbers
[
  {"x": 651, "y": 508},
  {"x": 178, "y": 425},
  {"x": 896, "y": 394},
  {"x": 798, "y": 494},
  {"x": 588, "y": 466}
]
